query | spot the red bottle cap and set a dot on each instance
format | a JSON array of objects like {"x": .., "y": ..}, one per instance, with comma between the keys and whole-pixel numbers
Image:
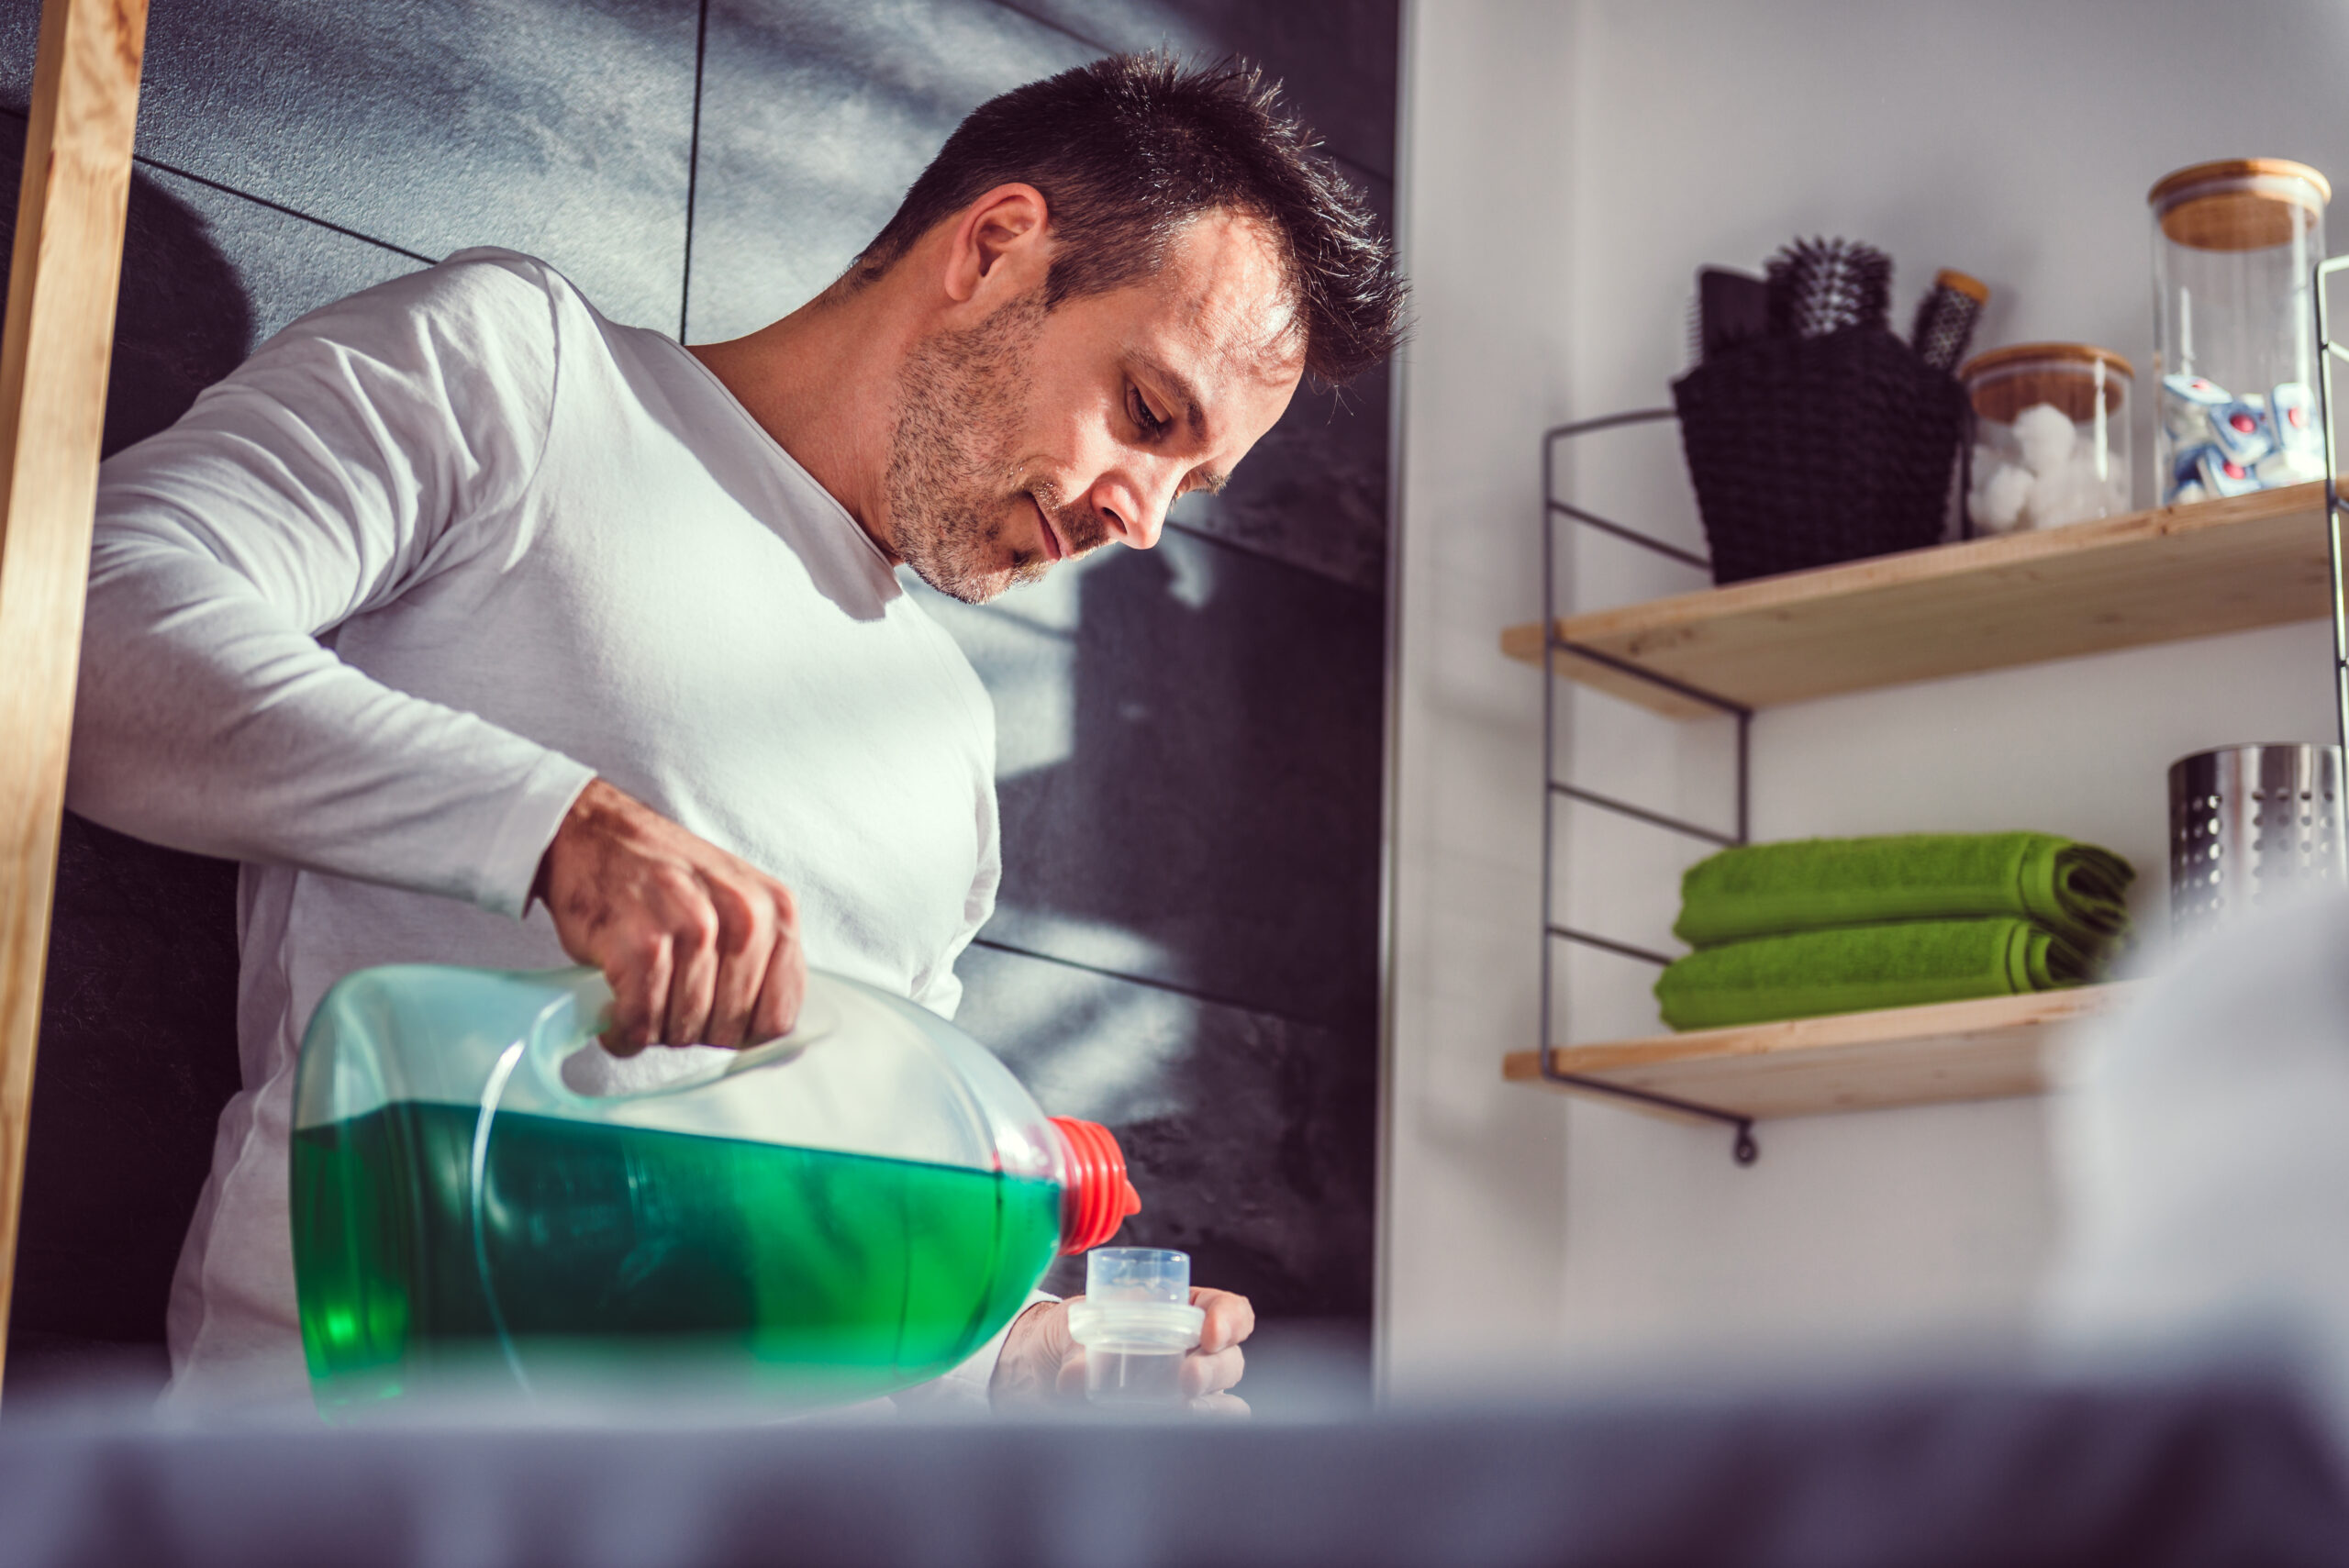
[{"x": 1097, "y": 1198}]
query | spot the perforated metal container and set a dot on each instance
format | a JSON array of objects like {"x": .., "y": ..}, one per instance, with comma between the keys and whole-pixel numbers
[{"x": 2249, "y": 823}]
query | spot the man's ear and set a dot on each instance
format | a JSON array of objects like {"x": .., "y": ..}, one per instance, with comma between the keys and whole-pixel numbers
[{"x": 1007, "y": 226}]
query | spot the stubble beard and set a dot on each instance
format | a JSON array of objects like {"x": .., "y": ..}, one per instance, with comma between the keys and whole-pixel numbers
[{"x": 955, "y": 481}]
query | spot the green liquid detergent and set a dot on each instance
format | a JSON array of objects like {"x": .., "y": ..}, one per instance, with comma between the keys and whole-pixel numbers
[
  {"x": 839, "y": 1275},
  {"x": 853, "y": 1210}
]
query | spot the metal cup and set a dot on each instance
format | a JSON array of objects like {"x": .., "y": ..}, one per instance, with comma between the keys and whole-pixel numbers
[{"x": 2251, "y": 824}]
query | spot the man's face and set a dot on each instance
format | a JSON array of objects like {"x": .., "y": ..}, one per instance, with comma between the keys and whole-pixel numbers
[{"x": 1036, "y": 437}]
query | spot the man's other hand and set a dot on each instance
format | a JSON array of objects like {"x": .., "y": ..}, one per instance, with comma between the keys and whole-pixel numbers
[
  {"x": 1042, "y": 1366},
  {"x": 699, "y": 946}
]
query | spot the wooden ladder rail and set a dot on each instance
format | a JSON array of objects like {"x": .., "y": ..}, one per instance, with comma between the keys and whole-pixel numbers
[{"x": 58, "y": 337}]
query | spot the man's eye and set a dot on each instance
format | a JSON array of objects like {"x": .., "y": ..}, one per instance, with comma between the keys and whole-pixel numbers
[{"x": 1147, "y": 422}]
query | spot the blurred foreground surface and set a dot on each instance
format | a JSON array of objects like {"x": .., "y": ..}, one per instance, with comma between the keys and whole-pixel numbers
[
  {"x": 2212, "y": 1467},
  {"x": 2206, "y": 1188}
]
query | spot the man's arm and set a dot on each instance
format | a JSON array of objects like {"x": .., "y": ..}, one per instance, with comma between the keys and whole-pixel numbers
[
  {"x": 365, "y": 449},
  {"x": 341, "y": 465}
]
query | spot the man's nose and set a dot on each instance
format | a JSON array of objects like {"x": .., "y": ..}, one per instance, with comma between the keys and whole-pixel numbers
[{"x": 1134, "y": 511}]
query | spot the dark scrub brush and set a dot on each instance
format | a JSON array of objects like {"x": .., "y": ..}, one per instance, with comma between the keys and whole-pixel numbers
[
  {"x": 1945, "y": 319},
  {"x": 1817, "y": 287}
]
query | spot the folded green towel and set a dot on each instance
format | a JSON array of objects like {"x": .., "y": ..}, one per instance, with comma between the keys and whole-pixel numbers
[
  {"x": 2072, "y": 889},
  {"x": 1855, "y": 967}
]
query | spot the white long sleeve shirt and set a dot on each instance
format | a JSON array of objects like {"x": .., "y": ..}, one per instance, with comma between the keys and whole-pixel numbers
[{"x": 374, "y": 612}]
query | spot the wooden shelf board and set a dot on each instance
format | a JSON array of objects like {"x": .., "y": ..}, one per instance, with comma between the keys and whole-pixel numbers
[
  {"x": 1992, "y": 1049},
  {"x": 2180, "y": 571}
]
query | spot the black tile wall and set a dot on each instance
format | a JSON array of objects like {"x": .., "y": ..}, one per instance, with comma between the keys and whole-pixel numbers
[
  {"x": 1336, "y": 59},
  {"x": 816, "y": 117},
  {"x": 560, "y": 128},
  {"x": 286, "y": 264},
  {"x": 1244, "y": 1132},
  {"x": 1186, "y": 942},
  {"x": 206, "y": 276},
  {"x": 138, "y": 1055},
  {"x": 1189, "y": 772}
]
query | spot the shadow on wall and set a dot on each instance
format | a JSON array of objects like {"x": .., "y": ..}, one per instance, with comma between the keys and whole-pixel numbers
[
  {"x": 1213, "y": 806},
  {"x": 139, "y": 1043},
  {"x": 1248, "y": 1116}
]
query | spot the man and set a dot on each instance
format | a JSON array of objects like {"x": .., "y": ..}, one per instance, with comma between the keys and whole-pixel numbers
[{"x": 485, "y": 630}]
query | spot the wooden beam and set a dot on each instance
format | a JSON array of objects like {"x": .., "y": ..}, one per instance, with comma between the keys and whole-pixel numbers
[{"x": 58, "y": 337}]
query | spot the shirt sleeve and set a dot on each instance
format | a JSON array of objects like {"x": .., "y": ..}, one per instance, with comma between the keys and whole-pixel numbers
[{"x": 367, "y": 447}]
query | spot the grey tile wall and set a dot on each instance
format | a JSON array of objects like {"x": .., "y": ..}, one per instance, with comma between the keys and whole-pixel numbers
[
  {"x": 1186, "y": 943},
  {"x": 1336, "y": 59},
  {"x": 1190, "y": 757},
  {"x": 138, "y": 1054},
  {"x": 209, "y": 274},
  {"x": 1241, "y": 1129},
  {"x": 815, "y": 121},
  {"x": 560, "y": 128}
]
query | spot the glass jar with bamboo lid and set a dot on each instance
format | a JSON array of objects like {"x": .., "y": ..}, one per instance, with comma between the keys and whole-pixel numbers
[
  {"x": 2234, "y": 327},
  {"x": 2051, "y": 436}
]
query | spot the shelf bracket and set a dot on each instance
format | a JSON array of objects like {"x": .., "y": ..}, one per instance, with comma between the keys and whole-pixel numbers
[
  {"x": 2328, "y": 352},
  {"x": 1743, "y": 1149}
]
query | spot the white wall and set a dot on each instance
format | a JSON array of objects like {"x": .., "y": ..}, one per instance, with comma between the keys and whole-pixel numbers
[
  {"x": 1474, "y": 1217},
  {"x": 1568, "y": 168}
]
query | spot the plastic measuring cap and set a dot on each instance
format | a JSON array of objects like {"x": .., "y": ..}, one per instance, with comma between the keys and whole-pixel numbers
[
  {"x": 1095, "y": 1196},
  {"x": 1137, "y": 1299}
]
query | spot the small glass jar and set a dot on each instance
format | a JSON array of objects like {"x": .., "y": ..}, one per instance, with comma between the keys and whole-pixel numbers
[
  {"x": 2051, "y": 436},
  {"x": 2234, "y": 327}
]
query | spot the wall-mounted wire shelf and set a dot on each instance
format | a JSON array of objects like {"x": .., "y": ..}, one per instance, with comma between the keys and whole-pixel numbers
[
  {"x": 2155, "y": 576},
  {"x": 1665, "y": 687}
]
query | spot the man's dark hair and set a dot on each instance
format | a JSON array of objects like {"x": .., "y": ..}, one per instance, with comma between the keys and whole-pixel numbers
[{"x": 1128, "y": 150}]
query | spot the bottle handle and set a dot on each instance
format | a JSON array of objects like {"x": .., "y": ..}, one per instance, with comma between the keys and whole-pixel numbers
[{"x": 582, "y": 1009}]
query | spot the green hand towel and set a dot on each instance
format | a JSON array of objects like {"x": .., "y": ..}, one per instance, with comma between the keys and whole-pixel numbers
[
  {"x": 1856, "y": 968},
  {"x": 2072, "y": 889}
]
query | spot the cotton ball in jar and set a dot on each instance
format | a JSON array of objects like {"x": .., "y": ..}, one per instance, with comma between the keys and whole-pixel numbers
[
  {"x": 1980, "y": 466},
  {"x": 1997, "y": 506},
  {"x": 2072, "y": 495},
  {"x": 2045, "y": 434}
]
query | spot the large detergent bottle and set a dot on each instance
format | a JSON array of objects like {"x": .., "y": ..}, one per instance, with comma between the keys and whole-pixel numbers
[{"x": 480, "y": 1198}]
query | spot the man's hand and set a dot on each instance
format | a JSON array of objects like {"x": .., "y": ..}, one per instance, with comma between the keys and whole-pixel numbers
[
  {"x": 699, "y": 946},
  {"x": 1040, "y": 1366}
]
